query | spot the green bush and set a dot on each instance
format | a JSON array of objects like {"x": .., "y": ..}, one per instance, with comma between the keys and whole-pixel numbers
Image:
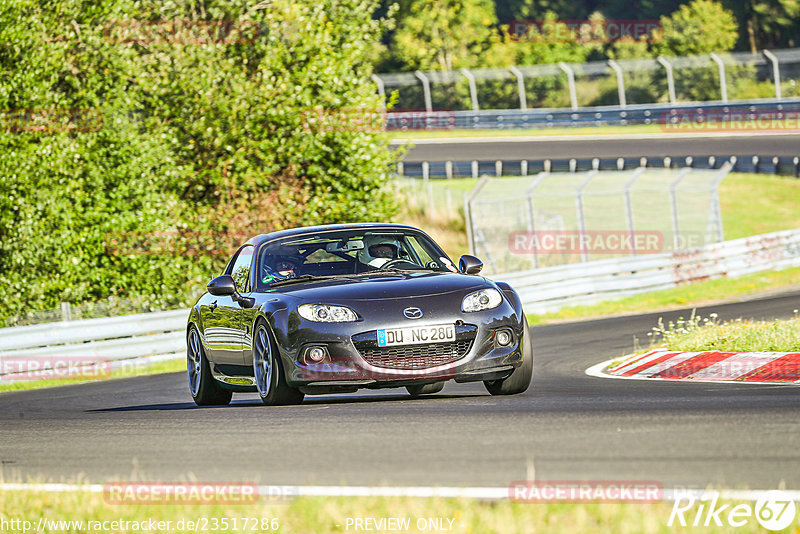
[{"x": 135, "y": 132}]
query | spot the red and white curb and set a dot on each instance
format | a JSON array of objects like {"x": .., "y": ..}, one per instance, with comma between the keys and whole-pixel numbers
[{"x": 710, "y": 366}]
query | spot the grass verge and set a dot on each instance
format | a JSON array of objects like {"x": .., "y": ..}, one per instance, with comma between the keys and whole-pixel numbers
[
  {"x": 758, "y": 203},
  {"x": 330, "y": 515},
  {"x": 135, "y": 369},
  {"x": 696, "y": 334}
]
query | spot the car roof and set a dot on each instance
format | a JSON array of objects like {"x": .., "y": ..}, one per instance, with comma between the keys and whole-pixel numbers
[{"x": 262, "y": 238}]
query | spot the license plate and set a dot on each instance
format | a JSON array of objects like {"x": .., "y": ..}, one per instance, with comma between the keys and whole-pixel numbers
[{"x": 416, "y": 335}]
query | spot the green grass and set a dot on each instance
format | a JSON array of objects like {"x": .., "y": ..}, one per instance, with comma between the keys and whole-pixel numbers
[
  {"x": 170, "y": 366},
  {"x": 696, "y": 334},
  {"x": 758, "y": 204},
  {"x": 329, "y": 515}
]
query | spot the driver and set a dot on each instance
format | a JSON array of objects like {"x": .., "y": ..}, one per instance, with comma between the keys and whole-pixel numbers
[
  {"x": 379, "y": 251},
  {"x": 279, "y": 268}
]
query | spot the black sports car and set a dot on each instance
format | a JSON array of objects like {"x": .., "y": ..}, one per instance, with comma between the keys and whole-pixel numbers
[{"x": 331, "y": 309}]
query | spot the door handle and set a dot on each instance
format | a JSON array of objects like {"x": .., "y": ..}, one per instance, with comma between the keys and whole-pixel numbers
[{"x": 212, "y": 306}]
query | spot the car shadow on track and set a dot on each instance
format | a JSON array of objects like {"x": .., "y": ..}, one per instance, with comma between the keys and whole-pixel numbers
[
  {"x": 313, "y": 401},
  {"x": 321, "y": 400}
]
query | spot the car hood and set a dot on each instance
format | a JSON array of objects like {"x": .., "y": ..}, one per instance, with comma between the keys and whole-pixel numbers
[{"x": 382, "y": 287}]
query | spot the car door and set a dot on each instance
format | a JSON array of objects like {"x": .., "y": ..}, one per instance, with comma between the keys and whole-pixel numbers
[{"x": 224, "y": 330}]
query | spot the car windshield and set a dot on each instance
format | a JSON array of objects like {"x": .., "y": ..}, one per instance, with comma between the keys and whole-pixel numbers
[{"x": 349, "y": 253}]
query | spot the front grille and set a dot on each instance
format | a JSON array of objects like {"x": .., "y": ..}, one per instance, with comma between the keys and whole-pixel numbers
[
  {"x": 410, "y": 357},
  {"x": 417, "y": 356}
]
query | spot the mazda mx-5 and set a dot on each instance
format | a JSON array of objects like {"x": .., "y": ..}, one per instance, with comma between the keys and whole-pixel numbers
[{"x": 331, "y": 309}]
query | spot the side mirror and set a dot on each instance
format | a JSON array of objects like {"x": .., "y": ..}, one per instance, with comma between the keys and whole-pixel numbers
[
  {"x": 222, "y": 286},
  {"x": 469, "y": 264}
]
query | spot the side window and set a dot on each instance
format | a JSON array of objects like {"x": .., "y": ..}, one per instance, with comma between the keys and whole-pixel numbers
[{"x": 240, "y": 270}]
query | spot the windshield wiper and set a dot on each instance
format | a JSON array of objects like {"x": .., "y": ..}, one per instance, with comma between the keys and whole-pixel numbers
[{"x": 301, "y": 278}]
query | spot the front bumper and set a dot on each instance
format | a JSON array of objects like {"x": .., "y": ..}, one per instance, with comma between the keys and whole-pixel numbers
[{"x": 355, "y": 360}]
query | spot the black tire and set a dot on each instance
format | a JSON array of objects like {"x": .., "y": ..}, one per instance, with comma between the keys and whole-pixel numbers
[
  {"x": 425, "y": 389},
  {"x": 268, "y": 371},
  {"x": 520, "y": 379},
  {"x": 204, "y": 389}
]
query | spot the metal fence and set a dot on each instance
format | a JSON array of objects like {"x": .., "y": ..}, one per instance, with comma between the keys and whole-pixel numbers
[
  {"x": 551, "y": 219},
  {"x": 721, "y": 77},
  {"x": 551, "y": 288}
]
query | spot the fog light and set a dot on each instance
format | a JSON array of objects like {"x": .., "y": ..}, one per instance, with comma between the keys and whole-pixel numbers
[
  {"x": 503, "y": 337},
  {"x": 316, "y": 354}
]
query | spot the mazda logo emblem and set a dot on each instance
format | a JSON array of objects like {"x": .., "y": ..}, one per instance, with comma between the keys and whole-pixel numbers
[{"x": 412, "y": 313}]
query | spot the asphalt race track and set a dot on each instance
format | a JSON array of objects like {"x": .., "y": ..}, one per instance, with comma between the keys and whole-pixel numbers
[
  {"x": 605, "y": 147},
  {"x": 568, "y": 426}
]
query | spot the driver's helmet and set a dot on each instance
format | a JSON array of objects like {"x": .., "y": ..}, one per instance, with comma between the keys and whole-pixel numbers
[
  {"x": 280, "y": 267},
  {"x": 379, "y": 250}
]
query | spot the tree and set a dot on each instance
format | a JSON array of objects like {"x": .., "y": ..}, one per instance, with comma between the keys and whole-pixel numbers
[
  {"x": 699, "y": 27},
  {"x": 448, "y": 34},
  {"x": 639, "y": 9},
  {"x": 768, "y": 23},
  {"x": 537, "y": 9}
]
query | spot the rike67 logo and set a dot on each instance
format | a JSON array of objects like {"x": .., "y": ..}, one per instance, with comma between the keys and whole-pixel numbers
[{"x": 773, "y": 510}]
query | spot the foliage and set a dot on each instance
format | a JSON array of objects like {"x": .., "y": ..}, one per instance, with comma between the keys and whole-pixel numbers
[
  {"x": 697, "y": 334},
  {"x": 699, "y": 27},
  {"x": 534, "y": 48},
  {"x": 126, "y": 120},
  {"x": 767, "y": 23},
  {"x": 448, "y": 34}
]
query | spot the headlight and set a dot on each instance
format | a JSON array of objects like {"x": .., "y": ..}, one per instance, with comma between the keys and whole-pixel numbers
[
  {"x": 325, "y": 313},
  {"x": 485, "y": 299}
]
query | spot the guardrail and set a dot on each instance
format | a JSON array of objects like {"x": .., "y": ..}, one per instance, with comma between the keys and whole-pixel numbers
[
  {"x": 26, "y": 352},
  {"x": 671, "y": 117},
  {"x": 551, "y": 288},
  {"x": 784, "y": 165}
]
